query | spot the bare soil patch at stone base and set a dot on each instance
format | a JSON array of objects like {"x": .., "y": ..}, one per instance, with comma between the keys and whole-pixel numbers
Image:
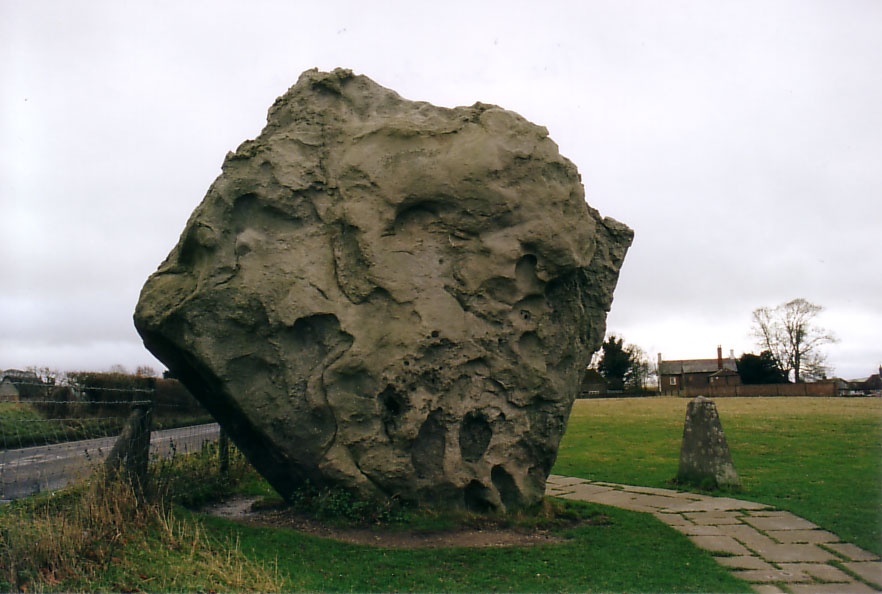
[{"x": 488, "y": 534}]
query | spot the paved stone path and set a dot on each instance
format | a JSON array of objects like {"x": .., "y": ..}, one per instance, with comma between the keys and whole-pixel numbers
[{"x": 776, "y": 551}]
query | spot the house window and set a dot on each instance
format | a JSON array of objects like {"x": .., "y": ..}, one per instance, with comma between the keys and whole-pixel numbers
[{"x": 673, "y": 381}]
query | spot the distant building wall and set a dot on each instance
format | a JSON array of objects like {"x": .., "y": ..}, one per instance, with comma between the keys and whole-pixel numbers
[
  {"x": 8, "y": 391},
  {"x": 756, "y": 390}
]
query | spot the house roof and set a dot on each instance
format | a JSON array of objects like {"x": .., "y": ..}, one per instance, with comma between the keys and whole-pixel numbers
[
  {"x": 695, "y": 366},
  {"x": 17, "y": 375},
  {"x": 872, "y": 379},
  {"x": 26, "y": 383}
]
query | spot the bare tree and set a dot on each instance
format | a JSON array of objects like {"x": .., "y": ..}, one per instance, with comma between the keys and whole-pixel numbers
[
  {"x": 788, "y": 332},
  {"x": 146, "y": 371}
]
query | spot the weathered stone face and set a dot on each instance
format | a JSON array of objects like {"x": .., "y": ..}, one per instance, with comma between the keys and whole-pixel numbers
[{"x": 388, "y": 296}]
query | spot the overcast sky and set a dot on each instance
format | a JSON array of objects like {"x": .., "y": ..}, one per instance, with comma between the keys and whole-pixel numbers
[{"x": 741, "y": 140}]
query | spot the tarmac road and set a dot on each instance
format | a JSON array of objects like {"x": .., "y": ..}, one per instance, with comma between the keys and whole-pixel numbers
[{"x": 27, "y": 471}]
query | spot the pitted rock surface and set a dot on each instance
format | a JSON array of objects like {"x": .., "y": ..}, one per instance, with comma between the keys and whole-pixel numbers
[{"x": 390, "y": 297}]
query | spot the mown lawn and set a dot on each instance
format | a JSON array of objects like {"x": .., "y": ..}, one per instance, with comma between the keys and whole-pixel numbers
[
  {"x": 628, "y": 552},
  {"x": 820, "y": 458},
  {"x": 81, "y": 540}
]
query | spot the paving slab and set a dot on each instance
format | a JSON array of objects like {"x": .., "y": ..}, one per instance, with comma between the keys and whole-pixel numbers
[
  {"x": 806, "y": 536},
  {"x": 795, "y": 553},
  {"x": 822, "y": 572},
  {"x": 557, "y": 492},
  {"x": 586, "y": 490},
  {"x": 768, "y": 589},
  {"x": 851, "y": 552},
  {"x": 711, "y": 504},
  {"x": 654, "y": 502},
  {"x": 748, "y": 536},
  {"x": 745, "y": 562},
  {"x": 692, "y": 530},
  {"x": 776, "y": 576},
  {"x": 615, "y": 498},
  {"x": 678, "y": 495},
  {"x": 774, "y": 550},
  {"x": 784, "y": 521},
  {"x": 714, "y": 518},
  {"x": 612, "y": 497},
  {"x": 869, "y": 571},
  {"x": 852, "y": 588},
  {"x": 720, "y": 544},
  {"x": 673, "y": 519},
  {"x": 557, "y": 479}
]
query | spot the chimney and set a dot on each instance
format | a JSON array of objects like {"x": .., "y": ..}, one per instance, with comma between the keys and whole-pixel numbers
[
  {"x": 720, "y": 357},
  {"x": 731, "y": 353},
  {"x": 660, "y": 361}
]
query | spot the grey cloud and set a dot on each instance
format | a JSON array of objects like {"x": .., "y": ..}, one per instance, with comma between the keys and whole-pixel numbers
[{"x": 740, "y": 141}]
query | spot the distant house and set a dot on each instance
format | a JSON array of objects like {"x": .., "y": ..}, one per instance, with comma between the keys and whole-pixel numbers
[
  {"x": 866, "y": 385},
  {"x": 676, "y": 376},
  {"x": 8, "y": 391},
  {"x": 17, "y": 385}
]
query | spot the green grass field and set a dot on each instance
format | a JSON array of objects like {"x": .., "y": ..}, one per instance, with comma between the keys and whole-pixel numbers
[
  {"x": 629, "y": 552},
  {"x": 820, "y": 458},
  {"x": 21, "y": 426}
]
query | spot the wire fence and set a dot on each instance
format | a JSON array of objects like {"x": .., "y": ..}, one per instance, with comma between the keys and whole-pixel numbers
[{"x": 51, "y": 436}]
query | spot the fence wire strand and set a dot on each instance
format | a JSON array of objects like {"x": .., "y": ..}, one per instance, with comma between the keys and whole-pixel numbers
[{"x": 47, "y": 443}]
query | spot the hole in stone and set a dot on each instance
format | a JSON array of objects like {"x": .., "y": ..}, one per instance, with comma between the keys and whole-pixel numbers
[
  {"x": 418, "y": 213},
  {"x": 474, "y": 436},
  {"x": 392, "y": 401},
  {"x": 532, "y": 350},
  {"x": 427, "y": 453},
  {"x": 477, "y": 497},
  {"x": 393, "y": 405},
  {"x": 431, "y": 377},
  {"x": 525, "y": 274},
  {"x": 505, "y": 486},
  {"x": 435, "y": 334}
]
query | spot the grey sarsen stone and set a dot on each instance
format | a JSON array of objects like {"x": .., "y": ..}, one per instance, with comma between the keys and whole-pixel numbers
[
  {"x": 388, "y": 296},
  {"x": 705, "y": 459}
]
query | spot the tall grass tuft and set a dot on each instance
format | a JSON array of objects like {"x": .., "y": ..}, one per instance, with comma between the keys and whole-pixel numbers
[
  {"x": 49, "y": 539},
  {"x": 69, "y": 539}
]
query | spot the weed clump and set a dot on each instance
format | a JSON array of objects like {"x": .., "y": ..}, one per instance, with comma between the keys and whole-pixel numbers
[
  {"x": 339, "y": 506},
  {"x": 69, "y": 539}
]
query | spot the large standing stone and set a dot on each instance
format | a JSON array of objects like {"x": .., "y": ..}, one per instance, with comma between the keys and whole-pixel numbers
[
  {"x": 388, "y": 296},
  {"x": 704, "y": 454}
]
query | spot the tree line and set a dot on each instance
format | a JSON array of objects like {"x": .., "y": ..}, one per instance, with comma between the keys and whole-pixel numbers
[{"x": 789, "y": 339}]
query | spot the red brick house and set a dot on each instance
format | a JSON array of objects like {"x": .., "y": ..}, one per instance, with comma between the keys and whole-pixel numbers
[
  {"x": 866, "y": 385},
  {"x": 675, "y": 376}
]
